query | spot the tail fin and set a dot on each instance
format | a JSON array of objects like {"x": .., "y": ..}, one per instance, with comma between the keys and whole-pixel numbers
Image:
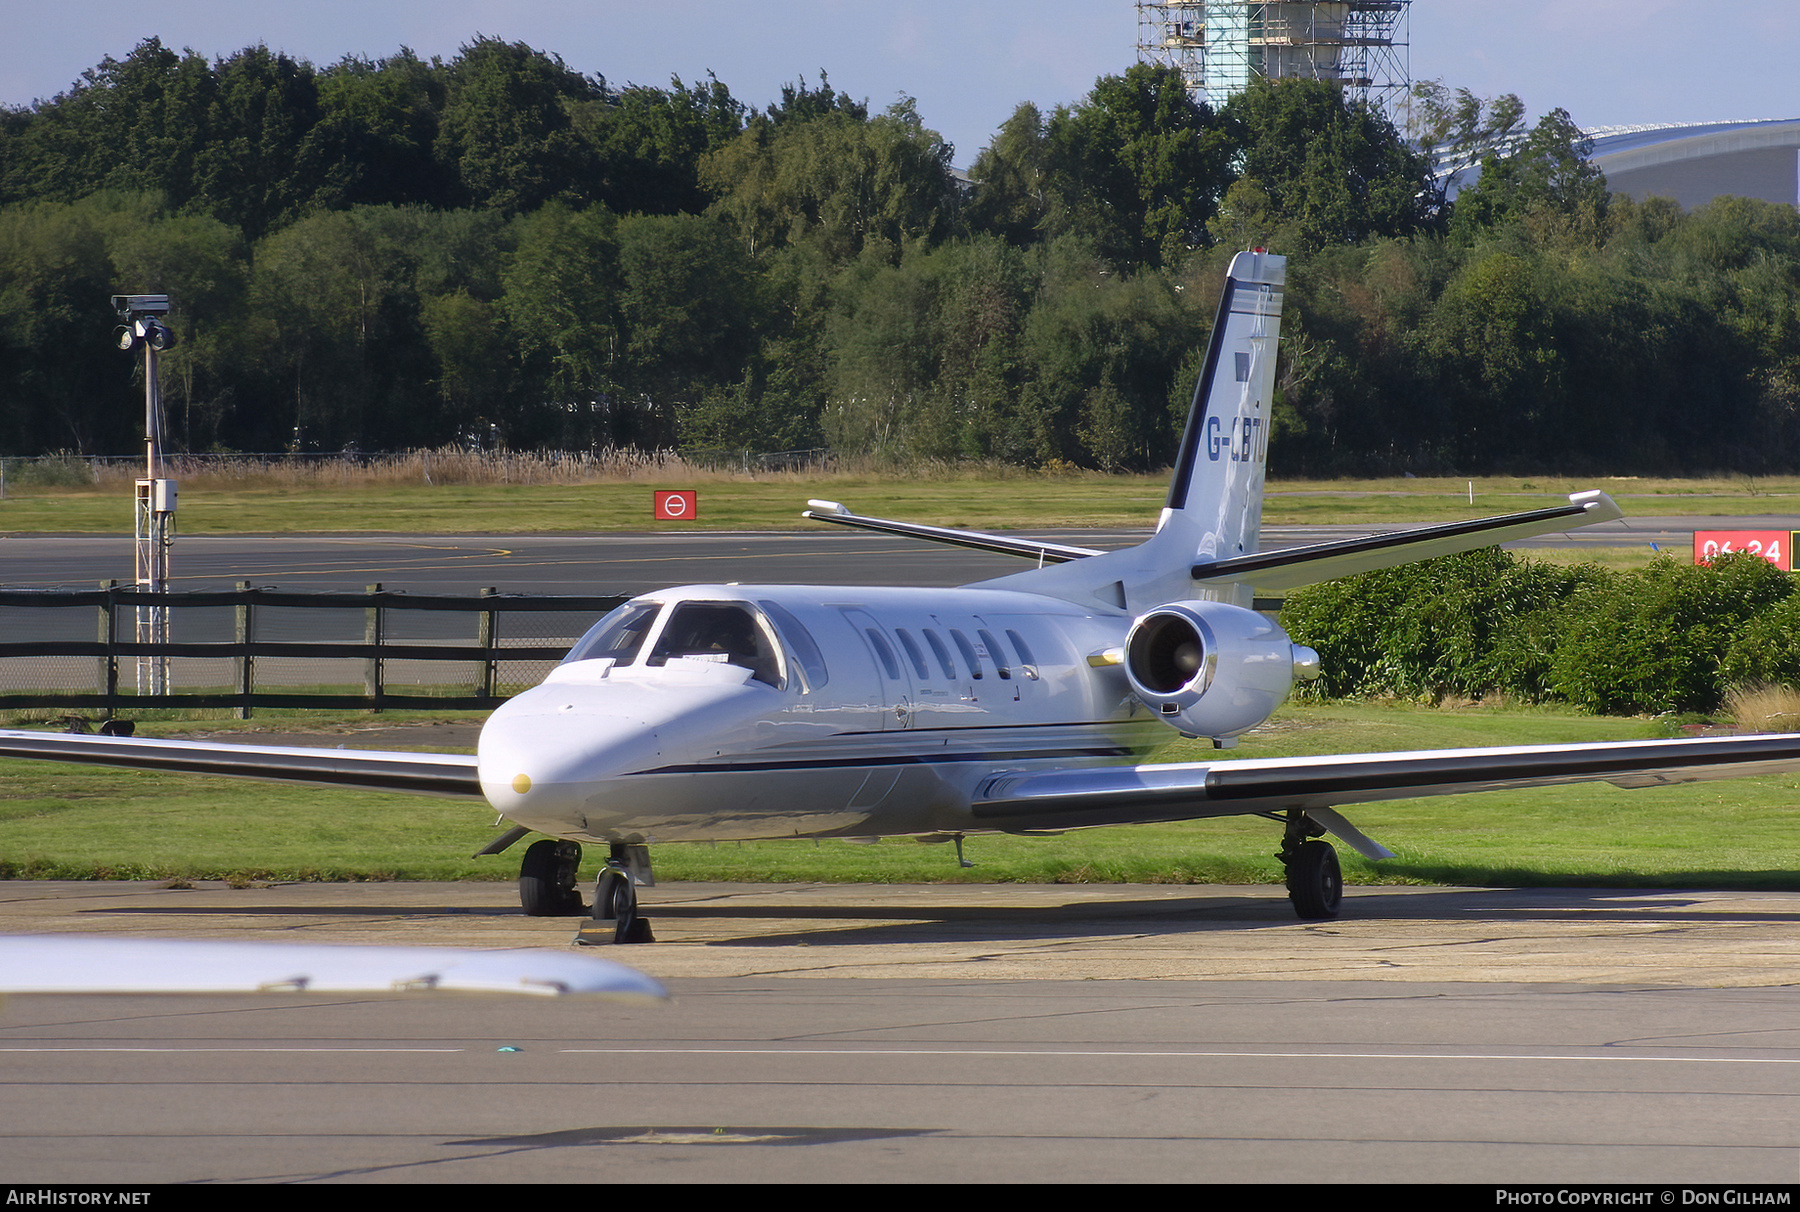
[
  {"x": 1214, "y": 511},
  {"x": 1219, "y": 472}
]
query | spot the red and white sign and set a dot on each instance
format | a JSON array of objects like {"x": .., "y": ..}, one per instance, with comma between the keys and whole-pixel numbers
[
  {"x": 680, "y": 505},
  {"x": 1775, "y": 546}
]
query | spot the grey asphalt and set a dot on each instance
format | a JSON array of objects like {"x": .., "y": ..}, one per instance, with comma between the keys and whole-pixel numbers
[{"x": 951, "y": 1034}]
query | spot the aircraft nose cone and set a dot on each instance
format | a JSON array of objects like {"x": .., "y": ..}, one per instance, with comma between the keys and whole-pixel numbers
[
  {"x": 591, "y": 760},
  {"x": 543, "y": 761}
]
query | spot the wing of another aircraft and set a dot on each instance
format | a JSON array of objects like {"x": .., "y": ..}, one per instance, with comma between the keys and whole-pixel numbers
[
  {"x": 1118, "y": 795},
  {"x": 61, "y": 963},
  {"x": 440, "y": 774}
]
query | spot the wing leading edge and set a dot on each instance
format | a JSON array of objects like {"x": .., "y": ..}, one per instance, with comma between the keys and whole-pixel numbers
[
  {"x": 1117, "y": 795},
  {"x": 440, "y": 774}
]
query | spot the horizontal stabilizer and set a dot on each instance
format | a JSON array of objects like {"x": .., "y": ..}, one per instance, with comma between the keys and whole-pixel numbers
[
  {"x": 444, "y": 774},
  {"x": 1042, "y": 552},
  {"x": 1293, "y": 567}
]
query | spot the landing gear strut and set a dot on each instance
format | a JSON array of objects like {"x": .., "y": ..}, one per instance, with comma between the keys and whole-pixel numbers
[
  {"x": 547, "y": 879},
  {"x": 615, "y": 901},
  {"x": 1315, "y": 884}
]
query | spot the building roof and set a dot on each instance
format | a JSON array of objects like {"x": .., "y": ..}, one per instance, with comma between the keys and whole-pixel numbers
[
  {"x": 1621, "y": 148},
  {"x": 1692, "y": 162}
]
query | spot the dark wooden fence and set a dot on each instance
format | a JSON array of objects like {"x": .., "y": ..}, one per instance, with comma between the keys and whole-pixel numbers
[{"x": 276, "y": 649}]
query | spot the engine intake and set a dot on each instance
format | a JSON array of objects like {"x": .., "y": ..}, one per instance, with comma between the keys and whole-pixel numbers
[{"x": 1212, "y": 669}]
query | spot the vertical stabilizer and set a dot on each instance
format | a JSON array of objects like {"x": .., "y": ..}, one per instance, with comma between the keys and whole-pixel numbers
[
  {"x": 1214, "y": 511},
  {"x": 1218, "y": 480}
]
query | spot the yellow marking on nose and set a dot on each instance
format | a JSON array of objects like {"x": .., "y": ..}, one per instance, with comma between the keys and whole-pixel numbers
[{"x": 521, "y": 783}]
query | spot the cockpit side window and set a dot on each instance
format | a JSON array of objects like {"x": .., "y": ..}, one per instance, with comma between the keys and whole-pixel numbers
[
  {"x": 619, "y": 635},
  {"x": 722, "y": 631},
  {"x": 801, "y": 641}
]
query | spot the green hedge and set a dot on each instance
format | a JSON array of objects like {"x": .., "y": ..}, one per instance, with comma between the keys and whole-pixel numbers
[{"x": 1669, "y": 637}]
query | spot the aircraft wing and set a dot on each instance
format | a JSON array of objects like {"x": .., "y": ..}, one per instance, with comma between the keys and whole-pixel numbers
[
  {"x": 442, "y": 774},
  {"x": 1293, "y": 567},
  {"x": 1117, "y": 795},
  {"x": 62, "y": 963},
  {"x": 1043, "y": 552}
]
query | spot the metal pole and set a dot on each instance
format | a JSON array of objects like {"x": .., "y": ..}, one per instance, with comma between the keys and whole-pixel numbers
[{"x": 154, "y": 533}]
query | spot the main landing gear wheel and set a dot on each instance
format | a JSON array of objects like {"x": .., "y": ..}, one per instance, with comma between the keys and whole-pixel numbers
[
  {"x": 1314, "y": 883},
  {"x": 547, "y": 879}
]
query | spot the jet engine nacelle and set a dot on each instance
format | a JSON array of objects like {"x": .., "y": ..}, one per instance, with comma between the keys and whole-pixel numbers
[{"x": 1212, "y": 669}]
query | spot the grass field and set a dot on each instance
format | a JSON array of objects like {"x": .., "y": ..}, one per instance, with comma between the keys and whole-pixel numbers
[
  {"x": 987, "y": 499},
  {"x": 71, "y": 822}
]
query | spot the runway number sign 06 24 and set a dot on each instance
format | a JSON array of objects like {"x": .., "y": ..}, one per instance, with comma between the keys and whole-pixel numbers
[
  {"x": 1775, "y": 546},
  {"x": 680, "y": 505}
]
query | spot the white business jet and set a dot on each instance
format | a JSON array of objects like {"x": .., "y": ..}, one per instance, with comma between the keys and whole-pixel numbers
[{"x": 1023, "y": 704}]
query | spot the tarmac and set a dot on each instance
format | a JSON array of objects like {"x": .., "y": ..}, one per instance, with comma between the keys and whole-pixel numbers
[
  {"x": 1677, "y": 939},
  {"x": 991, "y": 1034}
]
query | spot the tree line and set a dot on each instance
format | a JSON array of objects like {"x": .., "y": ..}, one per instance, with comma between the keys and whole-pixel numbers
[{"x": 502, "y": 248}]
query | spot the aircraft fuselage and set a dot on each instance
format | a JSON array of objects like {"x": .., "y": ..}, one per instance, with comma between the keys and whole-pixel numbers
[{"x": 848, "y": 712}]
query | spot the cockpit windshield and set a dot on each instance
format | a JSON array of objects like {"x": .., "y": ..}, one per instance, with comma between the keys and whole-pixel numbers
[
  {"x": 619, "y": 635},
  {"x": 729, "y": 632}
]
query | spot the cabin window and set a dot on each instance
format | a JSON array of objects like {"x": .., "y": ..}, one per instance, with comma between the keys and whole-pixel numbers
[
  {"x": 968, "y": 653},
  {"x": 1027, "y": 663},
  {"x": 618, "y": 635},
  {"x": 884, "y": 652},
  {"x": 941, "y": 653},
  {"x": 913, "y": 654},
  {"x": 997, "y": 653},
  {"x": 727, "y": 632},
  {"x": 801, "y": 641}
]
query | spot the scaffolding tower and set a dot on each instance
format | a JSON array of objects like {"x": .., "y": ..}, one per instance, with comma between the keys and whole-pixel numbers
[{"x": 1220, "y": 46}]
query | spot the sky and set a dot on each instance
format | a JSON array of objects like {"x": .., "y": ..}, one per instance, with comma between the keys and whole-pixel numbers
[{"x": 968, "y": 63}]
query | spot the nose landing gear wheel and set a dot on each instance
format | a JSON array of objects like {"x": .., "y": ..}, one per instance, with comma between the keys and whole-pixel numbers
[{"x": 616, "y": 899}]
